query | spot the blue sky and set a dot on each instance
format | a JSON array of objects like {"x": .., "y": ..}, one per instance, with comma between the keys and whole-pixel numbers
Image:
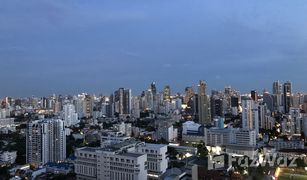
[{"x": 72, "y": 46}]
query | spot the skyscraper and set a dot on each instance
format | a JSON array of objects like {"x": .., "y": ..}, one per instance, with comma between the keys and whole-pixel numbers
[
  {"x": 88, "y": 106},
  {"x": 70, "y": 116},
  {"x": 154, "y": 96},
  {"x": 167, "y": 93},
  {"x": 127, "y": 101},
  {"x": 277, "y": 88},
  {"x": 254, "y": 95},
  {"x": 203, "y": 104},
  {"x": 46, "y": 141},
  {"x": 122, "y": 101},
  {"x": 278, "y": 98},
  {"x": 268, "y": 99},
  {"x": 250, "y": 115},
  {"x": 189, "y": 94},
  {"x": 287, "y": 87}
]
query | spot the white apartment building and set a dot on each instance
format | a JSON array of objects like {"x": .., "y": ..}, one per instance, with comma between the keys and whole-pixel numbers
[
  {"x": 101, "y": 164},
  {"x": 46, "y": 141},
  {"x": 169, "y": 133},
  {"x": 131, "y": 160},
  {"x": 219, "y": 137},
  {"x": 6, "y": 122},
  {"x": 4, "y": 113},
  {"x": 8, "y": 157},
  {"x": 128, "y": 166},
  {"x": 244, "y": 137},
  {"x": 70, "y": 116},
  {"x": 156, "y": 159},
  {"x": 250, "y": 115}
]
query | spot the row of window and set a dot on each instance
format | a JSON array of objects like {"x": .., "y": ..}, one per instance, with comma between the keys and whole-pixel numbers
[
  {"x": 87, "y": 155},
  {"x": 151, "y": 151},
  {"x": 85, "y": 170}
]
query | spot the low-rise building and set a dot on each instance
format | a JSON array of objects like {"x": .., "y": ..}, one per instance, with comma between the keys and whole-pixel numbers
[
  {"x": 7, "y": 157},
  {"x": 105, "y": 164},
  {"x": 130, "y": 159},
  {"x": 287, "y": 144},
  {"x": 156, "y": 159}
]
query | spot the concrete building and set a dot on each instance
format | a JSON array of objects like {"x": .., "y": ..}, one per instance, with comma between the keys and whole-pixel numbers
[
  {"x": 203, "y": 104},
  {"x": 88, "y": 106},
  {"x": 124, "y": 128},
  {"x": 287, "y": 144},
  {"x": 122, "y": 101},
  {"x": 6, "y": 122},
  {"x": 46, "y": 141},
  {"x": 297, "y": 119},
  {"x": 130, "y": 159},
  {"x": 287, "y": 94},
  {"x": 169, "y": 133},
  {"x": 156, "y": 159},
  {"x": 112, "y": 137},
  {"x": 70, "y": 116},
  {"x": 7, "y": 157},
  {"x": 219, "y": 137},
  {"x": 115, "y": 162},
  {"x": 250, "y": 115},
  {"x": 244, "y": 137}
]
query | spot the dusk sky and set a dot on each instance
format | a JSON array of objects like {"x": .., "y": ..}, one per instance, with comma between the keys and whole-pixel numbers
[{"x": 97, "y": 46}]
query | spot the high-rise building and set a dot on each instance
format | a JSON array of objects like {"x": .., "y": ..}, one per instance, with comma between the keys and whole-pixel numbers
[
  {"x": 88, "y": 106},
  {"x": 136, "y": 109},
  {"x": 167, "y": 93},
  {"x": 149, "y": 100},
  {"x": 250, "y": 115},
  {"x": 189, "y": 100},
  {"x": 70, "y": 116},
  {"x": 277, "y": 87},
  {"x": 127, "y": 101},
  {"x": 154, "y": 96},
  {"x": 297, "y": 118},
  {"x": 189, "y": 94},
  {"x": 262, "y": 115},
  {"x": 203, "y": 104},
  {"x": 46, "y": 141},
  {"x": 122, "y": 101},
  {"x": 216, "y": 106},
  {"x": 287, "y": 87},
  {"x": 254, "y": 95},
  {"x": 268, "y": 99},
  {"x": 278, "y": 98}
]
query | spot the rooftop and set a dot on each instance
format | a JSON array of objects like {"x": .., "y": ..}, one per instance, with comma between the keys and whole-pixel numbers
[
  {"x": 121, "y": 145},
  {"x": 149, "y": 145}
]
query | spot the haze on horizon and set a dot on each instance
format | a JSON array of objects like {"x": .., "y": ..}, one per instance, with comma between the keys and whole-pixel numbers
[{"x": 73, "y": 46}]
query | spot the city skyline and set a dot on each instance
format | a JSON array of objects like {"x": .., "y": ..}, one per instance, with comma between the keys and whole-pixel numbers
[
  {"x": 160, "y": 89},
  {"x": 73, "y": 46},
  {"x": 157, "y": 90}
]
